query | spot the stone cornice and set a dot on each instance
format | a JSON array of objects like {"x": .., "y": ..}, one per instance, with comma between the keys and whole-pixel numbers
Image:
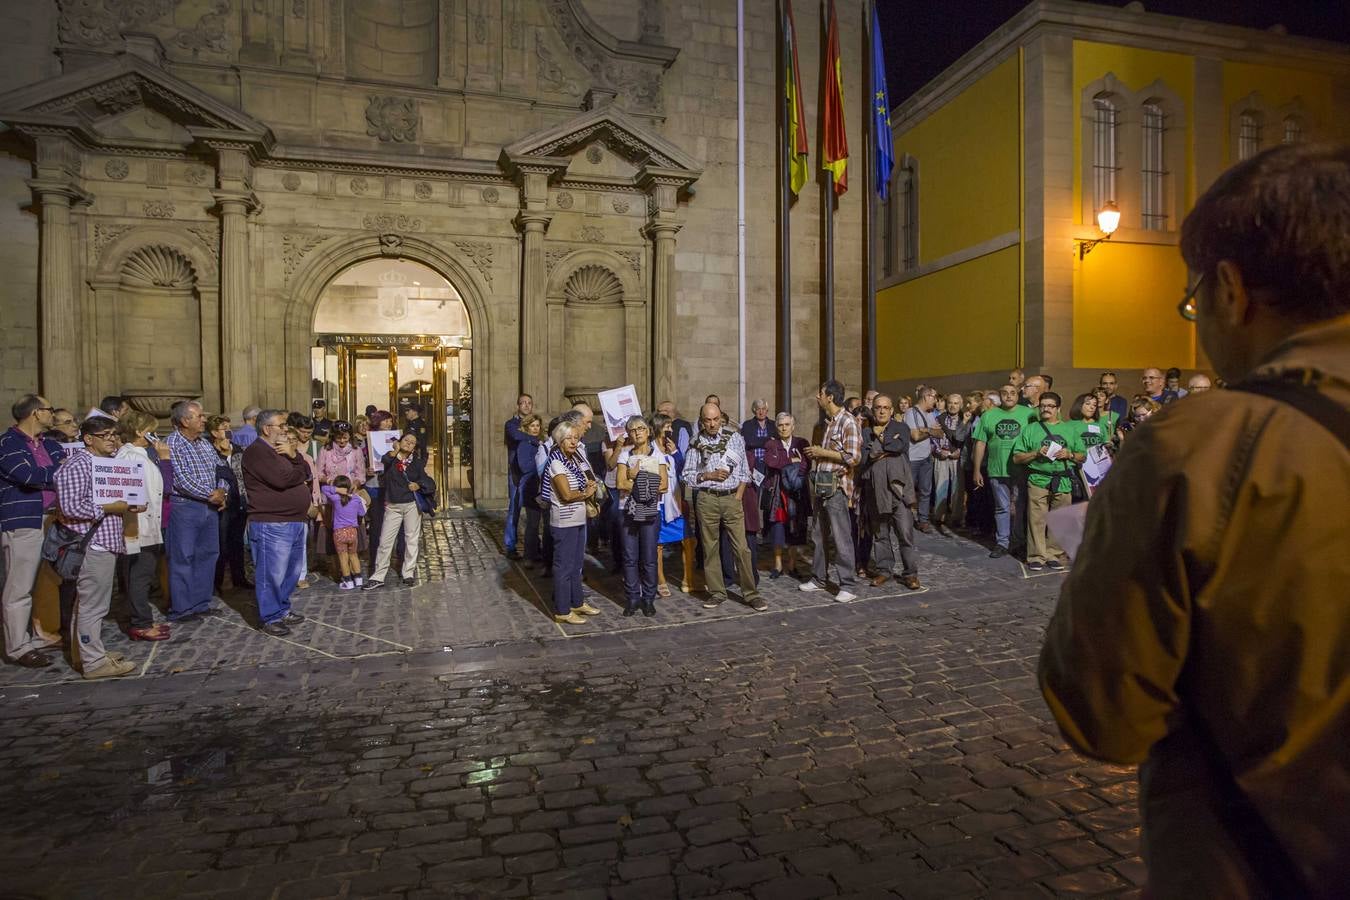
[{"x": 54, "y": 187}]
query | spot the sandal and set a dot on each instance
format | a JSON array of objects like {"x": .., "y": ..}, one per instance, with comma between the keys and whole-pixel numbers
[{"x": 663, "y": 590}]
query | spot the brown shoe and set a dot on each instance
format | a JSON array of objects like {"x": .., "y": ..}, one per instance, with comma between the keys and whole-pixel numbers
[
  {"x": 32, "y": 660},
  {"x": 880, "y": 580},
  {"x": 911, "y": 582}
]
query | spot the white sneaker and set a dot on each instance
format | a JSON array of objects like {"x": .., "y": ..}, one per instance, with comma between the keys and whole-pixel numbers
[
  {"x": 345, "y": 585},
  {"x": 844, "y": 597},
  {"x": 359, "y": 581},
  {"x": 808, "y": 585}
]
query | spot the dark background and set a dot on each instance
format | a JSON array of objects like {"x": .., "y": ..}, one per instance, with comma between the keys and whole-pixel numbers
[{"x": 923, "y": 37}]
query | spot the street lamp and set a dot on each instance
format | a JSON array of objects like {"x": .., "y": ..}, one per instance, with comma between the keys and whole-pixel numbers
[{"x": 1108, "y": 220}]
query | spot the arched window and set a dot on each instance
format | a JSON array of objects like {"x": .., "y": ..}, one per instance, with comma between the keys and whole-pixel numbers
[
  {"x": 1153, "y": 169},
  {"x": 1249, "y": 135},
  {"x": 1105, "y": 122},
  {"x": 1293, "y": 130}
]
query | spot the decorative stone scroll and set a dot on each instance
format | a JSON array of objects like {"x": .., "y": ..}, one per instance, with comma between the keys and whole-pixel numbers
[
  {"x": 158, "y": 209},
  {"x": 391, "y": 223},
  {"x": 295, "y": 245},
  {"x": 480, "y": 254}
]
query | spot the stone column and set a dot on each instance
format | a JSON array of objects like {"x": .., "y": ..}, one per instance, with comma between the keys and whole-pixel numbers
[
  {"x": 533, "y": 307},
  {"x": 236, "y": 341},
  {"x": 663, "y": 310},
  {"x": 62, "y": 358}
]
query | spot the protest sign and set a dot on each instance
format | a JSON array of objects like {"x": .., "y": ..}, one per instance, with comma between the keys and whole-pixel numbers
[
  {"x": 379, "y": 443},
  {"x": 118, "y": 478},
  {"x": 72, "y": 446},
  {"x": 617, "y": 406},
  {"x": 1095, "y": 467}
]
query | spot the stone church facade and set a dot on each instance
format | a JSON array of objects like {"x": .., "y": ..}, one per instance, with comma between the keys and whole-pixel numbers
[{"x": 181, "y": 179}]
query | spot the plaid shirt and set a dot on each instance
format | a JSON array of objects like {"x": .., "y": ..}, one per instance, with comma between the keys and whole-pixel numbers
[
  {"x": 708, "y": 454},
  {"x": 75, "y": 498},
  {"x": 194, "y": 467},
  {"x": 842, "y": 435}
]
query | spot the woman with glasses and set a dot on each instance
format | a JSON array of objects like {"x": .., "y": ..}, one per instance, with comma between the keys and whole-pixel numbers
[
  {"x": 234, "y": 516},
  {"x": 642, "y": 475}
]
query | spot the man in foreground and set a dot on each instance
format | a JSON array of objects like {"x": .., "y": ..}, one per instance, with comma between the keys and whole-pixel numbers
[
  {"x": 276, "y": 480},
  {"x": 1205, "y": 629}
]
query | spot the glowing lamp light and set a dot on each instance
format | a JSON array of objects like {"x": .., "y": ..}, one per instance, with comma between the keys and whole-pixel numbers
[{"x": 1108, "y": 220}]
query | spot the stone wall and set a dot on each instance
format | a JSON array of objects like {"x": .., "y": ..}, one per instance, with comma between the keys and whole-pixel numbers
[{"x": 268, "y": 148}]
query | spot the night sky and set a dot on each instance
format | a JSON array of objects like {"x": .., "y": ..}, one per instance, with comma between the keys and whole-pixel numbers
[{"x": 923, "y": 37}]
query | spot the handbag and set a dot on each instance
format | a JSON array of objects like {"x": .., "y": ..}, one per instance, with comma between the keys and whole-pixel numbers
[
  {"x": 1077, "y": 490},
  {"x": 65, "y": 548},
  {"x": 824, "y": 485},
  {"x": 595, "y": 502}
]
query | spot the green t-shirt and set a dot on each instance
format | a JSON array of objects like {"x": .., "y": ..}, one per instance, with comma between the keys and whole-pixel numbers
[
  {"x": 1040, "y": 470},
  {"x": 999, "y": 428},
  {"x": 1094, "y": 433}
]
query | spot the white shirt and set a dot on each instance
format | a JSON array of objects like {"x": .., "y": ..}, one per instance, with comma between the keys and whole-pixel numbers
[
  {"x": 562, "y": 514},
  {"x": 149, "y": 524},
  {"x": 653, "y": 463}
]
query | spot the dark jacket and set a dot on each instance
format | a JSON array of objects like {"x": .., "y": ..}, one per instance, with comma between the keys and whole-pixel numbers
[
  {"x": 277, "y": 486},
  {"x": 775, "y": 494},
  {"x": 523, "y": 461},
  {"x": 756, "y": 438},
  {"x": 22, "y": 480},
  {"x": 394, "y": 484},
  {"x": 512, "y": 436},
  {"x": 885, "y": 474}
]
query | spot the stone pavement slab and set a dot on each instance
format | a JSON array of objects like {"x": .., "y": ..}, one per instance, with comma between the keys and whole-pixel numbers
[{"x": 891, "y": 747}]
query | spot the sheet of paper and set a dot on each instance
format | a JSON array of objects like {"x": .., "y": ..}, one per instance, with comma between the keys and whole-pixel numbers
[
  {"x": 617, "y": 406},
  {"x": 758, "y": 476},
  {"x": 118, "y": 478},
  {"x": 1095, "y": 467},
  {"x": 1066, "y": 524},
  {"x": 379, "y": 443}
]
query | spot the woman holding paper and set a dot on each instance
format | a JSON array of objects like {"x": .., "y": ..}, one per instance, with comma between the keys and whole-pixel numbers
[
  {"x": 569, "y": 483},
  {"x": 138, "y": 570}
]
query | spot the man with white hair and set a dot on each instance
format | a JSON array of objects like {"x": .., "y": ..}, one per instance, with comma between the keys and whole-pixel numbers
[
  {"x": 196, "y": 498},
  {"x": 1198, "y": 384},
  {"x": 756, "y": 432},
  {"x": 247, "y": 433}
]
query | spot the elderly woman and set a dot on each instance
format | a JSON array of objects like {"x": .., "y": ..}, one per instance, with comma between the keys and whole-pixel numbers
[
  {"x": 138, "y": 570},
  {"x": 784, "y": 496},
  {"x": 234, "y": 516},
  {"x": 643, "y": 477},
  {"x": 569, "y": 482}
]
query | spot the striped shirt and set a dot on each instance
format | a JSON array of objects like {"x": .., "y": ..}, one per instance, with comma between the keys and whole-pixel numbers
[
  {"x": 75, "y": 497},
  {"x": 194, "y": 467},
  {"x": 575, "y": 467}
]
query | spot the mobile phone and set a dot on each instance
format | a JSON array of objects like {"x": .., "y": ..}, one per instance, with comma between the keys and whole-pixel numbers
[{"x": 152, "y": 437}]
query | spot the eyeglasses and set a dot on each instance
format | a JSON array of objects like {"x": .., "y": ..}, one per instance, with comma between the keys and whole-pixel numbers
[
  {"x": 45, "y": 409},
  {"x": 1186, "y": 308},
  {"x": 102, "y": 435}
]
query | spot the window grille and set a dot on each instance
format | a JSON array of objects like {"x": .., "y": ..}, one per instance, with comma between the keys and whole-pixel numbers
[
  {"x": 1293, "y": 130},
  {"x": 885, "y": 233},
  {"x": 1104, "y": 124},
  {"x": 1153, "y": 172},
  {"x": 1249, "y": 136},
  {"x": 908, "y": 219}
]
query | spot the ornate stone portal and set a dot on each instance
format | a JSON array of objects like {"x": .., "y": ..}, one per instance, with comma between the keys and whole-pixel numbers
[{"x": 185, "y": 239}]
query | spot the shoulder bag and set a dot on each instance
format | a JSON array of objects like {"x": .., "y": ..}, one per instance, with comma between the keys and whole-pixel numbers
[
  {"x": 65, "y": 548},
  {"x": 1076, "y": 487}
]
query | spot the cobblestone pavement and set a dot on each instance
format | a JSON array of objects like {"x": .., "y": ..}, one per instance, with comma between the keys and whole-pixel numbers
[{"x": 895, "y": 746}]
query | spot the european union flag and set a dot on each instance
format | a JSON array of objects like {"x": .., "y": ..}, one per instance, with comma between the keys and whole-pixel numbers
[{"x": 883, "y": 152}]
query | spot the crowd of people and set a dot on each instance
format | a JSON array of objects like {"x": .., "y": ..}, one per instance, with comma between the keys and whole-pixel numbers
[
  {"x": 284, "y": 489},
  {"x": 876, "y": 469}
]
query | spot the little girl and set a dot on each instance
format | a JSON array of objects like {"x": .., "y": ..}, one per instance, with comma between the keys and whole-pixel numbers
[{"x": 347, "y": 508}]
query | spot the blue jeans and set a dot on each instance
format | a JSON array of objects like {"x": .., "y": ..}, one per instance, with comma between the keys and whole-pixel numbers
[
  {"x": 512, "y": 511},
  {"x": 1007, "y": 499},
  {"x": 569, "y": 556},
  {"x": 639, "y": 560},
  {"x": 278, "y": 557},
  {"x": 193, "y": 545},
  {"x": 923, "y": 486}
]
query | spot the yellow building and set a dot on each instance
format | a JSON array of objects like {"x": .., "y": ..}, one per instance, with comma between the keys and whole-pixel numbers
[{"x": 1004, "y": 159}]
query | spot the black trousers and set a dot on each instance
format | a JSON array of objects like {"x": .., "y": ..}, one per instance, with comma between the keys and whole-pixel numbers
[
  {"x": 138, "y": 574},
  {"x": 232, "y": 524}
]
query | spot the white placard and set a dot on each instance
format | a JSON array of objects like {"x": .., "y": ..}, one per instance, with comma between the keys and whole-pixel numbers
[
  {"x": 379, "y": 443},
  {"x": 1095, "y": 467},
  {"x": 118, "y": 478},
  {"x": 617, "y": 406},
  {"x": 72, "y": 446},
  {"x": 1066, "y": 524}
]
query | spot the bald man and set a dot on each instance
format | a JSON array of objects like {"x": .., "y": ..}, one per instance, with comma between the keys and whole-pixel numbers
[
  {"x": 1155, "y": 386},
  {"x": 1198, "y": 384}
]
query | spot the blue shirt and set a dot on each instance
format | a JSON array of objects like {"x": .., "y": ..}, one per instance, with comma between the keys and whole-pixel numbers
[
  {"x": 244, "y": 435},
  {"x": 194, "y": 467}
]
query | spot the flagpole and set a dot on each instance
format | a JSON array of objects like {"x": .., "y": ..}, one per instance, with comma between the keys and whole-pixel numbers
[
  {"x": 784, "y": 224},
  {"x": 829, "y": 275},
  {"x": 870, "y": 382}
]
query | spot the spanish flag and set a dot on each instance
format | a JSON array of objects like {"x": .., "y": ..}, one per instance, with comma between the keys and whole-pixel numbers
[
  {"x": 798, "y": 148},
  {"x": 835, "y": 149}
]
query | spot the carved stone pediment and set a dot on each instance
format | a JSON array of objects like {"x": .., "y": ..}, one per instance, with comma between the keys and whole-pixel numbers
[
  {"x": 95, "y": 105},
  {"x": 583, "y": 143},
  {"x": 629, "y": 69}
]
